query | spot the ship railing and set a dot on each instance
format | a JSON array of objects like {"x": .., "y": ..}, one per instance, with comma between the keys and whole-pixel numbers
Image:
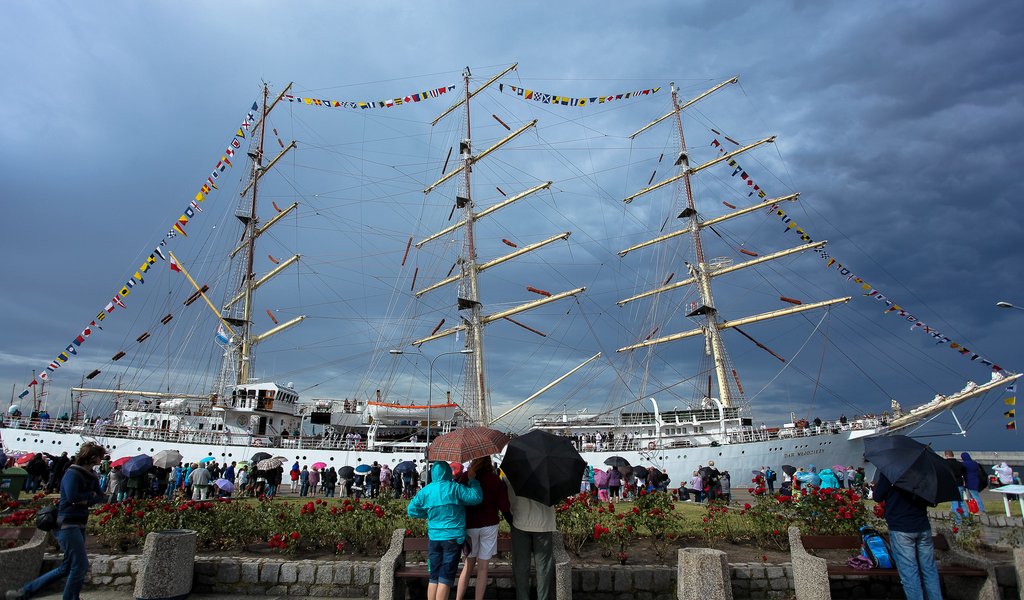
[{"x": 54, "y": 425}]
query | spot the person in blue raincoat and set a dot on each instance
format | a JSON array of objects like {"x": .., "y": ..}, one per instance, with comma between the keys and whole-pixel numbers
[
  {"x": 443, "y": 504},
  {"x": 828, "y": 479},
  {"x": 808, "y": 477}
]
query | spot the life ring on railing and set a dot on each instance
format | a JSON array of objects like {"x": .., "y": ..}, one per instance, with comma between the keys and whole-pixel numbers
[
  {"x": 360, "y": 446},
  {"x": 651, "y": 446},
  {"x": 257, "y": 442}
]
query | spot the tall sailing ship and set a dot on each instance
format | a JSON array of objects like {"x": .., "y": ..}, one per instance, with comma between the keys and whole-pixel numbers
[{"x": 241, "y": 414}]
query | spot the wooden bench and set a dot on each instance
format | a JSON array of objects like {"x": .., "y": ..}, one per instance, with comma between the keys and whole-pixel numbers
[
  {"x": 497, "y": 569},
  {"x": 966, "y": 575},
  {"x": 396, "y": 570}
]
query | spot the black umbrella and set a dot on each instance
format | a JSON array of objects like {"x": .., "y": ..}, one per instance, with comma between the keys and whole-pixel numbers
[
  {"x": 405, "y": 466},
  {"x": 640, "y": 472},
  {"x": 255, "y": 458},
  {"x": 625, "y": 471},
  {"x": 616, "y": 461},
  {"x": 788, "y": 470},
  {"x": 347, "y": 472},
  {"x": 543, "y": 467},
  {"x": 912, "y": 467}
]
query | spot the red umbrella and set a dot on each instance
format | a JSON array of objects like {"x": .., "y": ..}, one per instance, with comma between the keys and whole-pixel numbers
[
  {"x": 466, "y": 444},
  {"x": 456, "y": 468},
  {"x": 24, "y": 459},
  {"x": 120, "y": 462}
]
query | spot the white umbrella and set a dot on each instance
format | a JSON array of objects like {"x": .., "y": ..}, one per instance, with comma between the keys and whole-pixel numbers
[{"x": 167, "y": 459}]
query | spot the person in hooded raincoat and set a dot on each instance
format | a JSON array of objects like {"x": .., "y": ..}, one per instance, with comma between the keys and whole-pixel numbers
[
  {"x": 443, "y": 504},
  {"x": 828, "y": 479},
  {"x": 975, "y": 479}
]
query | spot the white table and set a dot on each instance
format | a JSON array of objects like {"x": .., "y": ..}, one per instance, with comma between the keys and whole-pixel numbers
[{"x": 1011, "y": 489}]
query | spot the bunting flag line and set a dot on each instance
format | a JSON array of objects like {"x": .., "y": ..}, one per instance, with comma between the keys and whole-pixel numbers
[
  {"x": 1011, "y": 401},
  {"x": 117, "y": 300},
  {"x": 545, "y": 98},
  {"x": 1010, "y": 413},
  {"x": 869, "y": 290},
  {"x": 1012, "y": 425},
  {"x": 393, "y": 102}
]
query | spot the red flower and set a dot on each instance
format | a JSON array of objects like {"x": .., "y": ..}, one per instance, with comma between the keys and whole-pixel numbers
[
  {"x": 746, "y": 506},
  {"x": 956, "y": 529},
  {"x": 295, "y": 535}
]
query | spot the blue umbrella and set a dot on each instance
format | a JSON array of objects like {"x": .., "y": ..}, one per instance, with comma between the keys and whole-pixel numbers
[
  {"x": 137, "y": 465},
  {"x": 363, "y": 469},
  {"x": 404, "y": 466},
  {"x": 207, "y": 459}
]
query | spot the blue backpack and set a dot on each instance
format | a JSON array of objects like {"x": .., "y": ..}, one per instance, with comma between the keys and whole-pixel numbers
[{"x": 874, "y": 548}]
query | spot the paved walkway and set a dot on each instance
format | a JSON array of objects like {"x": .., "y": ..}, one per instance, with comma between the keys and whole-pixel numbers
[{"x": 111, "y": 595}]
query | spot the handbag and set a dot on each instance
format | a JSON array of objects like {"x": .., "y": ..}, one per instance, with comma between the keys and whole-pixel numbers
[{"x": 46, "y": 518}]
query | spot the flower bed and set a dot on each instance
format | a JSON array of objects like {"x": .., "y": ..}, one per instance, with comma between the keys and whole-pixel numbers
[
  {"x": 340, "y": 526},
  {"x": 15, "y": 513}
]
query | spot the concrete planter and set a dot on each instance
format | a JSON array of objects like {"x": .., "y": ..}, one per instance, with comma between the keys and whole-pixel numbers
[
  {"x": 22, "y": 564},
  {"x": 165, "y": 570},
  {"x": 704, "y": 574}
]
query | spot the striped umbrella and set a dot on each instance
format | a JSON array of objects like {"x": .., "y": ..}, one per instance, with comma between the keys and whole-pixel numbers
[{"x": 466, "y": 444}]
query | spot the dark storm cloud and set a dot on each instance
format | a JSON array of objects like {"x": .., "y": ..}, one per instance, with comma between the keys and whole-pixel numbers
[{"x": 900, "y": 123}]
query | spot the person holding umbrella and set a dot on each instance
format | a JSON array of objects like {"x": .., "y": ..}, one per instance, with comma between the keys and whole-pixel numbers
[
  {"x": 911, "y": 477},
  {"x": 443, "y": 504},
  {"x": 482, "y": 525},
  {"x": 540, "y": 469}
]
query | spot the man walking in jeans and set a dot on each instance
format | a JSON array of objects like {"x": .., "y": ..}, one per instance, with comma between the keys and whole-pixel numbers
[{"x": 910, "y": 539}]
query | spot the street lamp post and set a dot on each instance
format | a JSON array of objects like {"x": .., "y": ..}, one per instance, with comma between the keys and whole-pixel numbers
[
  {"x": 430, "y": 381},
  {"x": 1002, "y": 304}
]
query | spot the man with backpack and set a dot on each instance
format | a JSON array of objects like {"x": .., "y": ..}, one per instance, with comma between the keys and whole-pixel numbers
[{"x": 910, "y": 539}]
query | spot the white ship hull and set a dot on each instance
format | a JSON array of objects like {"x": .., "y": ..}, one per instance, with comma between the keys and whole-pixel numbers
[{"x": 822, "y": 450}]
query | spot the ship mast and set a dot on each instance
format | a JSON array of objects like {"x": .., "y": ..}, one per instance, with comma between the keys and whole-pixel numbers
[
  {"x": 700, "y": 272},
  {"x": 703, "y": 272},
  {"x": 469, "y": 297},
  {"x": 236, "y": 368},
  {"x": 245, "y": 348},
  {"x": 477, "y": 390}
]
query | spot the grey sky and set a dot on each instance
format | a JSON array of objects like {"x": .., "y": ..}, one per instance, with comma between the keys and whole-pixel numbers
[{"x": 899, "y": 123}]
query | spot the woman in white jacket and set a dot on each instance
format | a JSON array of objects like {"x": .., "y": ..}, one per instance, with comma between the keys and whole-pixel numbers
[{"x": 1004, "y": 473}]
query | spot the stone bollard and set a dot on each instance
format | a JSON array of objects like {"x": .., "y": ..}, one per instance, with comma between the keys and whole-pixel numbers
[
  {"x": 703, "y": 575},
  {"x": 165, "y": 571}
]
